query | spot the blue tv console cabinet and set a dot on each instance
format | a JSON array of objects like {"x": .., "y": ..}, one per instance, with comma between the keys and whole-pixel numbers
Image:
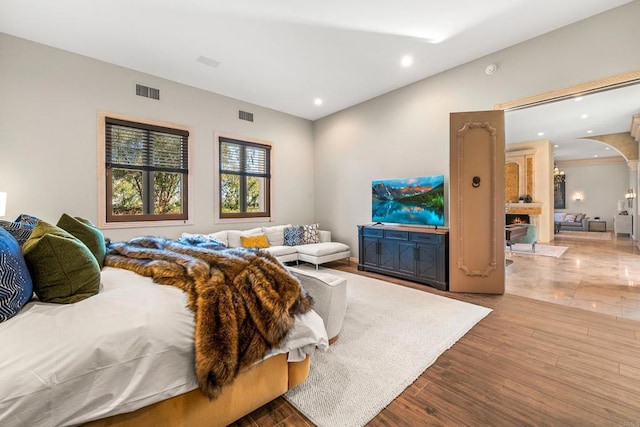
[{"x": 413, "y": 253}]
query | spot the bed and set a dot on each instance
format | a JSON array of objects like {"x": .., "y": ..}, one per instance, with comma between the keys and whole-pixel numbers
[{"x": 125, "y": 356}]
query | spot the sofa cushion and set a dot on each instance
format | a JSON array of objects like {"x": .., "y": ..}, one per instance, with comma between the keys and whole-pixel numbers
[
  {"x": 321, "y": 249},
  {"x": 293, "y": 235},
  {"x": 257, "y": 241},
  {"x": 62, "y": 268},
  {"x": 233, "y": 236},
  {"x": 570, "y": 218},
  {"x": 16, "y": 287},
  {"x": 278, "y": 251},
  {"x": 580, "y": 217},
  {"x": 310, "y": 233},
  {"x": 275, "y": 234}
]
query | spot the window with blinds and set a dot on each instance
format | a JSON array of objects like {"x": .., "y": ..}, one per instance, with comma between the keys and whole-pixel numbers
[
  {"x": 147, "y": 172},
  {"x": 245, "y": 179}
]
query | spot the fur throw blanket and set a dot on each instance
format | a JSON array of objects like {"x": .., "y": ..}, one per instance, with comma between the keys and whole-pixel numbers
[{"x": 244, "y": 300}]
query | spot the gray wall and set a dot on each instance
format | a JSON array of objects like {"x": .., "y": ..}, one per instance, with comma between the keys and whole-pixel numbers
[
  {"x": 601, "y": 185},
  {"x": 406, "y": 132},
  {"x": 48, "y": 104}
]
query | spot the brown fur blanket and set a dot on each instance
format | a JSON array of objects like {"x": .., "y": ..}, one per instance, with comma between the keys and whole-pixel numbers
[{"x": 244, "y": 300}]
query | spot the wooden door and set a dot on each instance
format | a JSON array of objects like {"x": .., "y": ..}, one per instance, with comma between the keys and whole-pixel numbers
[{"x": 476, "y": 205}]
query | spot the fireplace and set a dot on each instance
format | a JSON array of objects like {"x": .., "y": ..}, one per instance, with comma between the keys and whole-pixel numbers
[{"x": 517, "y": 219}]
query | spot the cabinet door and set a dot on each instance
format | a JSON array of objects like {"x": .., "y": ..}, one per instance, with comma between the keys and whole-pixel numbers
[
  {"x": 427, "y": 262},
  {"x": 370, "y": 251},
  {"x": 405, "y": 257},
  {"x": 386, "y": 252}
]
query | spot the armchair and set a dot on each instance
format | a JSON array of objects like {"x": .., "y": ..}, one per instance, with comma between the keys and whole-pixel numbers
[{"x": 530, "y": 238}]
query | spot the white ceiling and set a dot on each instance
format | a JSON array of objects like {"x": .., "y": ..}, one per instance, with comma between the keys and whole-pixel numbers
[
  {"x": 562, "y": 122},
  {"x": 282, "y": 54}
]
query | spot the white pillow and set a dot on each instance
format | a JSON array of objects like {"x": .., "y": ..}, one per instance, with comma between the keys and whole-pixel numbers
[
  {"x": 275, "y": 234},
  {"x": 233, "y": 236},
  {"x": 221, "y": 236}
]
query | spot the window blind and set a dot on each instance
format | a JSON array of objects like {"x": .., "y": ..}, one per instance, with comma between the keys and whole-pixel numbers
[
  {"x": 131, "y": 145},
  {"x": 244, "y": 158}
]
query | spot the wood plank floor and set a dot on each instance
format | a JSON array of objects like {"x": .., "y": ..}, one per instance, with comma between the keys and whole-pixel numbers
[{"x": 528, "y": 363}]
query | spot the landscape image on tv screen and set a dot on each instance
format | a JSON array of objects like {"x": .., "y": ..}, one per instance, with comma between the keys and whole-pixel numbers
[{"x": 417, "y": 201}]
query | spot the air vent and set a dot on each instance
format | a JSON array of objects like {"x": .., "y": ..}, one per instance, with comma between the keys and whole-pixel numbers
[
  {"x": 245, "y": 116},
  {"x": 147, "y": 92}
]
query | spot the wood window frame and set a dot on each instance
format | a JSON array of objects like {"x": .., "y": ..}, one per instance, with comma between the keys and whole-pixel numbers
[
  {"x": 265, "y": 215},
  {"x": 104, "y": 178}
]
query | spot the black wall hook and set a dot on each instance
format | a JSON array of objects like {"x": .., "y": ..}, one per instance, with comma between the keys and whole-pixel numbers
[{"x": 476, "y": 182}]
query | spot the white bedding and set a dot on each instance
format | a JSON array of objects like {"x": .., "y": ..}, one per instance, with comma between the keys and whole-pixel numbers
[{"x": 127, "y": 347}]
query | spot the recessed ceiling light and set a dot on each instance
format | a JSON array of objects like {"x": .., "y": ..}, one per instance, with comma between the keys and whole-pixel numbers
[
  {"x": 579, "y": 99},
  {"x": 406, "y": 61},
  {"x": 584, "y": 116},
  {"x": 317, "y": 101},
  {"x": 589, "y": 131},
  {"x": 540, "y": 133},
  {"x": 595, "y": 155},
  {"x": 607, "y": 148},
  {"x": 556, "y": 146}
]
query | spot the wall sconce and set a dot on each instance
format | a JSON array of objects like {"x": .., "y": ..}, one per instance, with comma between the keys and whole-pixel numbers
[
  {"x": 3, "y": 203},
  {"x": 630, "y": 196},
  {"x": 577, "y": 197}
]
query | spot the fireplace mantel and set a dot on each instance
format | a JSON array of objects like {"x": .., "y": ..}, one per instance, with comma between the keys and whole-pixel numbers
[{"x": 524, "y": 208}]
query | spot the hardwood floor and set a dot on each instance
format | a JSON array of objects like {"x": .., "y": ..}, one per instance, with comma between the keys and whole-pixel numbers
[{"x": 529, "y": 362}]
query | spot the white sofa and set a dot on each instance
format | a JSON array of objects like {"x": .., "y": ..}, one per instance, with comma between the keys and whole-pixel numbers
[{"x": 314, "y": 253}]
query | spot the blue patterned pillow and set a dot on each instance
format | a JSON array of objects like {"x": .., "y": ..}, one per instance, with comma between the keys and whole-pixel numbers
[
  {"x": 16, "y": 287},
  {"x": 293, "y": 235},
  {"x": 18, "y": 229}
]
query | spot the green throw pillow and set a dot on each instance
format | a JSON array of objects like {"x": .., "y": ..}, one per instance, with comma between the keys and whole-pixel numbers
[
  {"x": 88, "y": 233},
  {"x": 62, "y": 268}
]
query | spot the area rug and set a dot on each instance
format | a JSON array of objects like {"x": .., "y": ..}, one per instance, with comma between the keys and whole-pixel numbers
[
  {"x": 541, "y": 250},
  {"x": 583, "y": 235},
  {"x": 390, "y": 335}
]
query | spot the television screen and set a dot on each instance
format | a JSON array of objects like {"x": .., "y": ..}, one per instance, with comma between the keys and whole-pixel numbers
[{"x": 417, "y": 201}]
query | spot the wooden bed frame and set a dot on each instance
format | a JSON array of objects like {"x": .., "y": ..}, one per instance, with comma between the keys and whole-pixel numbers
[{"x": 251, "y": 389}]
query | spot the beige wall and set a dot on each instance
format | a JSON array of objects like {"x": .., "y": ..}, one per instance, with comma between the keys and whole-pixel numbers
[
  {"x": 48, "y": 104},
  {"x": 405, "y": 132},
  {"x": 542, "y": 183}
]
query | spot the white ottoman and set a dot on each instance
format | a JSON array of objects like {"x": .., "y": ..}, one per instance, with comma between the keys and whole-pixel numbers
[{"x": 329, "y": 294}]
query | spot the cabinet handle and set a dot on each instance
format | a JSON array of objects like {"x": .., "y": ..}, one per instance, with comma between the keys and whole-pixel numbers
[{"x": 416, "y": 254}]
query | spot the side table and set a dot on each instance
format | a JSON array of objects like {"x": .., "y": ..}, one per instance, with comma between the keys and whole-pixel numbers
[{"x": 597, "y": 226}]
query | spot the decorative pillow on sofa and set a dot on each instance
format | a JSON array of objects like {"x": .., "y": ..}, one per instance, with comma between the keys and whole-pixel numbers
[
  {"x": 21, "y": 228},
  {"x": 559, "y": 216},
  {"x": 62, "y": 268},
  {"x": 257, "y": 241},
  {"x": 311, "y": 233},
  {"x": 16, "y": 287},
  {"x": 293, "y": 235},
  {"x": 88, "y": 234},
  {"x": 580, "y": 217},
  {"x": 570, "y": 218},
  {"x": 233, "y": 236},
  {"x": 275, "y": 234}
]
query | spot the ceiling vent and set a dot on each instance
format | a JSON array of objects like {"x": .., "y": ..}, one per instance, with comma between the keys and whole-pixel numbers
[
  {"x": 244, "y": 115},
  {"x": 147, "y": 92}
]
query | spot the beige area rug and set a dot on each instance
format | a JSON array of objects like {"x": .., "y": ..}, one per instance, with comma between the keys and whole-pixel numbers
[
  {"x": 583, "y": 235},
  {"x": 541, "y": 250},
  {"x": 391, "y": 334}
]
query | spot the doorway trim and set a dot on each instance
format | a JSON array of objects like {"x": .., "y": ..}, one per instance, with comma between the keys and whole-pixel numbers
[{"x": 612, "y": 82}]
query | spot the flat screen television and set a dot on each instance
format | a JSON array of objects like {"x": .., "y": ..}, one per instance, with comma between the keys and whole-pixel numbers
[{"x": 411, "y": 201}]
